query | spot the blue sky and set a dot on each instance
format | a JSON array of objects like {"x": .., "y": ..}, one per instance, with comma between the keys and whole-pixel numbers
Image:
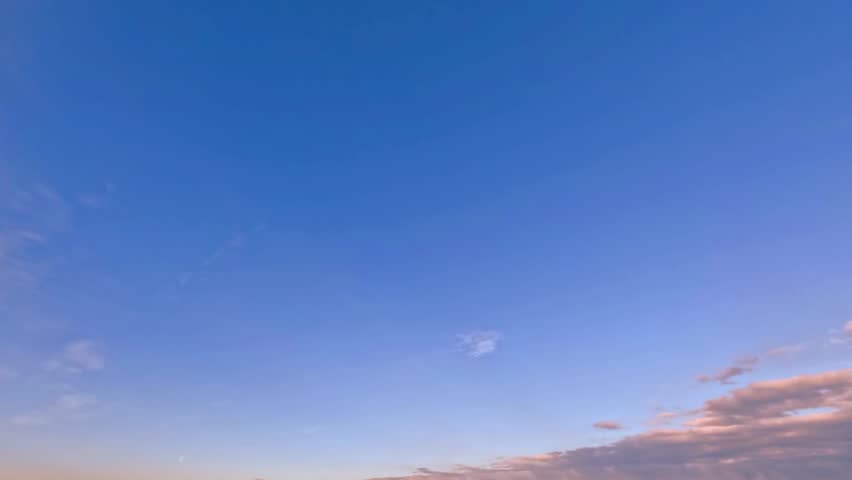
[{"x": 343, "y": 240}]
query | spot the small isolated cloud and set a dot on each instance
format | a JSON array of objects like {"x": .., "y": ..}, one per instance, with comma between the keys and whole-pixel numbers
[
  {"x": 724, "y": 377},
  {"x": 608, "y": 425},
  {"x": 78, "y": 357},
  {"x": 479, "y": 343},
  {"x": 848, "y": 328}
]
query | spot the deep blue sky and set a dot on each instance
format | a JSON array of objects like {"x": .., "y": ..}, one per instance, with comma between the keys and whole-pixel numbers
[{"x": 275, "y": 219}]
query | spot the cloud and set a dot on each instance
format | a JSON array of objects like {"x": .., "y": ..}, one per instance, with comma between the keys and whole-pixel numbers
[
  {"x": 784, "y": 350},
  {"x": 67, "y": 406},
  {"x": 78, "y": 357},
  {"x": 234, "y": 242},
  {"x": 665, "y": 418},
  {"x": 748, "y": 360},
  {"x": 479, "y": 343},
  {"x": 7, "y": 373},
  {"x": 788, "y": 429},
  {"x": 608, "y": 425},
  {"x": 724, "y": 377},
  {"x": 75, "y": 401},
  {"x": 35, "y": 420},
  {"x": 84, "y": 354},
  {"x": 742, "y": 366},
  {"x": 842, "y": 336},
  {"x": 311, "y": 429},
  {"x": 99, "y": 198},
  {"x": 31, "y": 214},
  {"x": 91, "y": 200}
]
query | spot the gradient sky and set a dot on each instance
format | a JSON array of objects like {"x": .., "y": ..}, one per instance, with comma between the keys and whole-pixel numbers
[{"x": 341, "y": 240}]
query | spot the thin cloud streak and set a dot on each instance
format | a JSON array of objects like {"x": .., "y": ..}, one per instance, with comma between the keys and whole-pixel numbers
[{"x": 724, "y": 377}]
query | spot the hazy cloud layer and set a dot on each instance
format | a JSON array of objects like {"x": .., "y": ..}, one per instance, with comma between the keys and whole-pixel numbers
[{"x": 788, "y": 429}]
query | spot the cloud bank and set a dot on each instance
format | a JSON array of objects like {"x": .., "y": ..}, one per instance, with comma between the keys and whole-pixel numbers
[{"x": 790, "y": 429}]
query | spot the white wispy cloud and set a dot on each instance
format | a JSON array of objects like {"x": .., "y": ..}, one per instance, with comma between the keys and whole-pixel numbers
[
  {"x": 479, "y": 343},
  {"x": 31, "y": 214},
  {"x": 235, "y": 242},
  {"x": 29, "y": 420},
  {"x": 842, "y": 336},
  {"x": 75, "y": 401},
  {"x": 78, "y": 357},
  {"x": 67, "y": 406}
]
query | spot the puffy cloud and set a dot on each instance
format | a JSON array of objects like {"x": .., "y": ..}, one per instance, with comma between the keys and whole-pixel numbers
[
  {"x": 848, "y": 328},
  {"x": 479, "y": 343},
  {"x": 788, "y": 429},
  {"x": 608, "y": 425}
]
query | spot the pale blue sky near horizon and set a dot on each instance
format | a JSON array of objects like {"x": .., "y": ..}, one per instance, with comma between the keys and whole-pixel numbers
[{"x": 274, "y": 220}]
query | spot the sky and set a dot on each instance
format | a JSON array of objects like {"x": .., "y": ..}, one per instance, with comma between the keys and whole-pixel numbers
[{"x": 427, "y": 240}]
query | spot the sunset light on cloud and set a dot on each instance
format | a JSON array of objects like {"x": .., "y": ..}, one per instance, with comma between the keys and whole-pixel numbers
[{"x": 425, "y": 241}]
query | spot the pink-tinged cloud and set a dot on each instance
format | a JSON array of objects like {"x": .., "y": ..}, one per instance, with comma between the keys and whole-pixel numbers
[
  {"x": 791, "y": 429},
  {"x": 724, "y": 377},
  {"x": 848, "y": 328},
  {"x": 608, "y": 425}
]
